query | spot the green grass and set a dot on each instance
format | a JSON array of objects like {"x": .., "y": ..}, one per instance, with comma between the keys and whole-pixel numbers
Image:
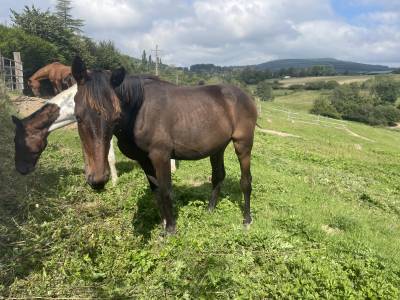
[
  {"x": 326, "y": 210},
  {"x": 339, "y": 79}
]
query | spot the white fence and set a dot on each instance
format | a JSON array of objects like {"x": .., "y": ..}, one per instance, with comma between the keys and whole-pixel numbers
[{"x": 12, "y": 72}]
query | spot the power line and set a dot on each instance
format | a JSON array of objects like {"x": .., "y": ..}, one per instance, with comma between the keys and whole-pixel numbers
[{"x": 157, "y": 53}]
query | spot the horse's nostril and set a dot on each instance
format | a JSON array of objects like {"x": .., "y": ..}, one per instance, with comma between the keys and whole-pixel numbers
[{"x": 97, "y": 185}]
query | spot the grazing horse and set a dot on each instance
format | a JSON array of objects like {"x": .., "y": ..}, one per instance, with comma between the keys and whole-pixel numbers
[
  {"x": 154, "y": 121},
  {"x": 31, "y": 133},
  {"x": 57, "y": 73}
]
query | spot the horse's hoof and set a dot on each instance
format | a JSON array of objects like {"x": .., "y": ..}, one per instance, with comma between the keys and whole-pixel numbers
[
  {"x": 170, "y": 230},
  {"x": 247, "y": 222}
]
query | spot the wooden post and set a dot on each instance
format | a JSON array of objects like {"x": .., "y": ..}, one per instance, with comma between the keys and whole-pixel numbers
[
  {"x": 11, "y": 76},
  {"x": 2, "y": 70},
  {"x": 19, "y": 71}
]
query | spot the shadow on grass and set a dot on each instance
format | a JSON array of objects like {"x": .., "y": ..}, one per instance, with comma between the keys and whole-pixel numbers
[
  {"x": 24, "y": 203},
  {"x": 126, "y": 166},
  {"x": 26, "y": 200},
  {"x": 147, "y": 216}
]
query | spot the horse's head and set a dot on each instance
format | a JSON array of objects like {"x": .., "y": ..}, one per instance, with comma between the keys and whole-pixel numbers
[
  {"x": 31, "y": 137},
  {"x": 97, "y": 109},
  {"x": 35, "y": 86}
]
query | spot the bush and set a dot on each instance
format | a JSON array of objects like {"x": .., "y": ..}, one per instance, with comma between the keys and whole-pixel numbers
[
  {"x": 264, "y": 91},
  {"x": 296, "y": 87},
  {"x": 386, "y": 90},
  {"x": 314, "y": 86},
  {"x": 387, "y": 114},
  {"x": 321, "y": 85},
  {"x": 347, "y": 102},
  {"x": 331, "y": 84},
  {"x": 325, "y": 108}
]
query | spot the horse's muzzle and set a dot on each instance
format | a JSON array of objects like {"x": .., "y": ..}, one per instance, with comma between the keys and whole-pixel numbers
[
  {"x": 24, "y": 169},
  {"x": 98, "y": 183}
]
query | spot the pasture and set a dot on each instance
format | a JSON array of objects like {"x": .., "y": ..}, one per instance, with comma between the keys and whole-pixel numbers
[
  {"x": 340, "y": 79},
  {"x": 326, "y": 219}
]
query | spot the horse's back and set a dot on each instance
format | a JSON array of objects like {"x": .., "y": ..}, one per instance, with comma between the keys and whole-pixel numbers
[{"x": 194, "y": 120}]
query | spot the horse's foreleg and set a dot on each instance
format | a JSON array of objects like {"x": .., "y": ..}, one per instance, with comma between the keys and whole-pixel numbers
[
  {"x": 59, "y": 86},
  {"x": 111, "y": 162},
  {"x": 54, "y": 85},
  {"x": 173, "y": 165},
  {"x": 162, "y": 166}
]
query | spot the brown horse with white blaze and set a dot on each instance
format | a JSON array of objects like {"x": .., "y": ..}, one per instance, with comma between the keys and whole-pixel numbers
[
  {"x": 58, "y": 74},
  {"x": 155, "y": 121}
]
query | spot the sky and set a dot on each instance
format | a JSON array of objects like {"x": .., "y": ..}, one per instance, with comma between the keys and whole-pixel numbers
[{"x": 241, "y": 32}]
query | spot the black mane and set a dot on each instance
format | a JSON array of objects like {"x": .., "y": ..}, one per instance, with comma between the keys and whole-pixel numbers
[{"x": 131, "y": 94}]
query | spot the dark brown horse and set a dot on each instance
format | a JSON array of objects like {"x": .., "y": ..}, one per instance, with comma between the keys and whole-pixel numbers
[
  {"x": 58, "y": 74},
  {"x": 155, "y": 121}
]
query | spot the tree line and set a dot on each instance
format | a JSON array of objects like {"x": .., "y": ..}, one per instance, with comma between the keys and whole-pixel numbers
[
  {"x": 43, "y": 37},
  {"x": 373, "y": 102}
]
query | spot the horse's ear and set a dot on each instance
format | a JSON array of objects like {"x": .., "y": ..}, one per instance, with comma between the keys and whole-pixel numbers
[
  {"x": 79, "y": 70},
  {"x": 16, "y": 120},
  {"x": 117, "y": 76}
]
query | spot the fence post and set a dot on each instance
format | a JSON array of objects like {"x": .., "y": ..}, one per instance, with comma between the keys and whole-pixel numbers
[
  {"x": 11, "y": 76},
  {"x": 19, "y": 71},
  {"x": 2, "y": 70}
]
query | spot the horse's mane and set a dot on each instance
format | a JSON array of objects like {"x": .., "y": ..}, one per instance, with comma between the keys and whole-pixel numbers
[
  {"x": 100, "y": 96},
  {"x": 131, "y": 92}
]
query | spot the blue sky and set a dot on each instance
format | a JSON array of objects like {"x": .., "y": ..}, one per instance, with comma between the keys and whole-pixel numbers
[
  {"x": 350, "y": 10},
  {"x": 234, "y": 32}
]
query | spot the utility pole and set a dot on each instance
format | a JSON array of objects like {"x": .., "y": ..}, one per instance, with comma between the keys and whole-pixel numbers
[{"x": 157, "y": 52}]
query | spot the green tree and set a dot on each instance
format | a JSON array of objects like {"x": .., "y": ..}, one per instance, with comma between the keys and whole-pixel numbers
[
  {"x": 387, "y": 90},
  {"x": 324, "y": 107},
  {"x": 63, "y": 12},
  {"x": 35, "y": 52},
  {"x": 144, "y": 58},
  {"x": 107, "y": 56},
  {"x": 264, "y": 91},
  {"x": 44, "y": 25}
]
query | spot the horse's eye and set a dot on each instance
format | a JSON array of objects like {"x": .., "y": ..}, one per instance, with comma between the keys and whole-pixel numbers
[{"x": 78, "y": 119}]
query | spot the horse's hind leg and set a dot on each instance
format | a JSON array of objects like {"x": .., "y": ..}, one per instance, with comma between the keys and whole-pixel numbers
[
  {"x": 243, "y": 152},
  {"x": 218, "y": 176}
]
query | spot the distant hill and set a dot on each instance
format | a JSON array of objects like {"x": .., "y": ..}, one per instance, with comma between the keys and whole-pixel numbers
[{"x": 339, "y": 65}]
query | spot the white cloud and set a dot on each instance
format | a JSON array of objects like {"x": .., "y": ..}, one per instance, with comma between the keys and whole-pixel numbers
[{"x": 234, "y": 32}]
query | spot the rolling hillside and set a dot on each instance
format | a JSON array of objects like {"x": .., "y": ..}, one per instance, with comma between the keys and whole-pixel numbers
[
  {"x": 339, "y": 65},
  {"x": 325, "y": 204}
]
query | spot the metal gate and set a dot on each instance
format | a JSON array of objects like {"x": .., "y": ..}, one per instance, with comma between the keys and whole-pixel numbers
[{"x": 12, "y": 72}]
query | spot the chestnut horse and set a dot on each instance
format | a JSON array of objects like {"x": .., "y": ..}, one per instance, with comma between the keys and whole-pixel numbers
[
  {"x": 58, "y": 74},
  {"x": 154, "y": 121},
  {"x": 31, "y": 132}
]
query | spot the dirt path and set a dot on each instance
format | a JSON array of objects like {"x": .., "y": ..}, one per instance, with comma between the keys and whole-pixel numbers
[
  {"x": 357, "y": 135},
  {"x": 278, "y": 133},
  {"x": 27, "y": 105}
]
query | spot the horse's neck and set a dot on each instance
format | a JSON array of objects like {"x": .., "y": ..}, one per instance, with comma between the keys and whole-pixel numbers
[
  {"x": 65, "y": 101},
  {"x": 43, "y": 118},
  {"x": 40, "y": 74}
]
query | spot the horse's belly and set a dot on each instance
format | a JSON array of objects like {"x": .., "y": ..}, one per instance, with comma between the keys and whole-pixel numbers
[
  {"x": 202, "y": 135},
  {"x": 201, "y": 145}
]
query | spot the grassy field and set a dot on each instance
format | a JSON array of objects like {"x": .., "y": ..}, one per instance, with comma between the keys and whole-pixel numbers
[
  {"x": 340, "y": 79},
  {"x": 326, "y": 211}
]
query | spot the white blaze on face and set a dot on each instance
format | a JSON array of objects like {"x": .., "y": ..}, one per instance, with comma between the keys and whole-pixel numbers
[{"x": 65, "y": 101}]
